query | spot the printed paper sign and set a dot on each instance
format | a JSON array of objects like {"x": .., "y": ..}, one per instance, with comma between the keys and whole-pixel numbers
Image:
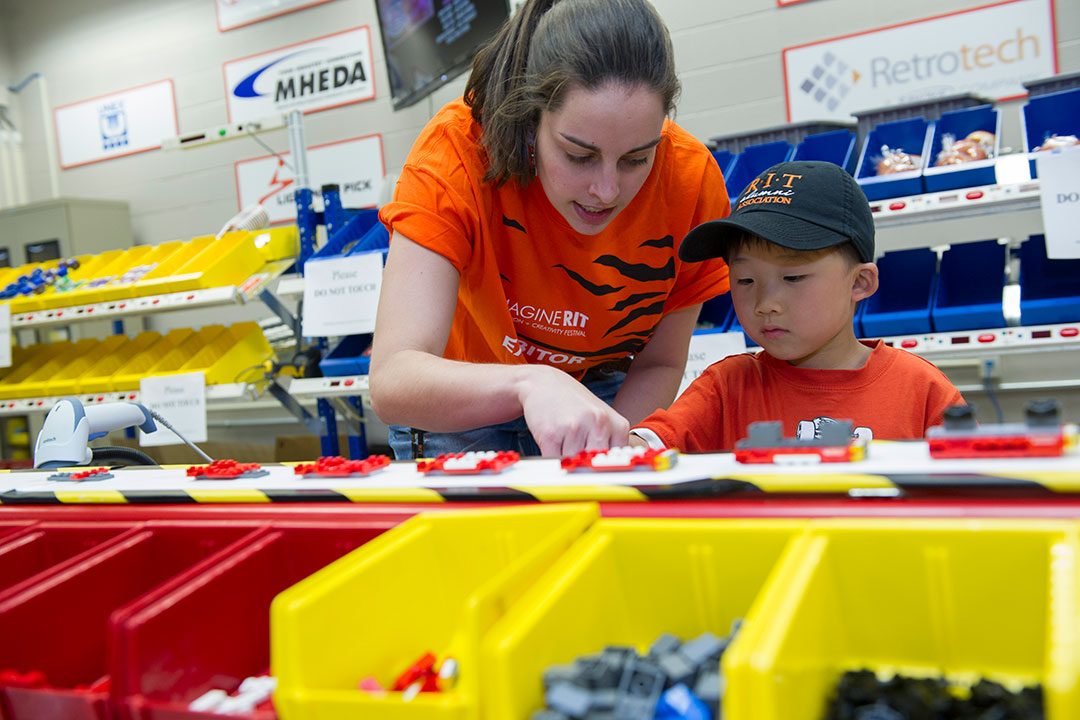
[
  {"x": 237, "y": 13},
  {"x": 1059, "y": 185},
  {"x": 326, "y": 72},
  {"x": 356, "y": 166},
  {"x": 707, "y": 348},
  {"x": 181, "y": 400},
  {"x": 988, "y": 51},
  {"x": 5, "y": 335},
  {"x": 341, "y": 295},
  {"x": 124, "y": 123}
]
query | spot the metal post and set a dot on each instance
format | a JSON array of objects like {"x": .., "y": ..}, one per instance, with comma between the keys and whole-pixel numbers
[
  {"x": 358, "y": 449},
  {"x": 306, "y": 218},
  {"x": 330, "y": 446}
]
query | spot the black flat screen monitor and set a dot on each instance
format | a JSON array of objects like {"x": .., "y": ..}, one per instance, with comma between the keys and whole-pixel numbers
[{"x": 430, "y": 42}]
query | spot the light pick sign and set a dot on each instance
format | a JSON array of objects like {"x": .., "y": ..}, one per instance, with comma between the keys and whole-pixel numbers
[{"x": 707, "y": 348}]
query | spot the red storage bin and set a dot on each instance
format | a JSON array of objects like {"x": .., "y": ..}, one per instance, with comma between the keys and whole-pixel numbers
[
  {"x": 213, "y": 630},
  {"x": 47, "y": 547},
  {"x": 58, "y": 626}
]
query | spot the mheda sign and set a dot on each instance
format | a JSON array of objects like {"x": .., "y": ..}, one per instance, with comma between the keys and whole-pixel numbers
[
  {"x": 318, "y": 74},
  {"x": 988, "y": 51}
]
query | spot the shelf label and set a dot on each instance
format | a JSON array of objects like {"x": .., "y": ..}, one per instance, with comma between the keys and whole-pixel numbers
[
  {"x": 341, "y": 295},
  {"x": 5, "y": 335},
  {"x": 1059, "y": 185},
  {"x": 707, "y": 348},
  {"x": 181, "y": 400}
]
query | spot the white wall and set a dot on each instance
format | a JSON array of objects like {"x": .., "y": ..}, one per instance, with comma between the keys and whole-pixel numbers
[{"x": 728, "y": 55}]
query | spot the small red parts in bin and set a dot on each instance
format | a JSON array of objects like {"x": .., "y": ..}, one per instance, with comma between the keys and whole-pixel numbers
[
  {"x": 621, "y": 459},
  {"x": 337, "y": 466},
  {"x": 226, "y": 470},
  {"x": 833, "y": 442},
  {"x": 1041, "y": 435},
  {"x": 253, "y": 692},
  {"x": 14, "y": 678},
  {"x": 424, "y": 675},
  {"x": 469, "y": 463},
  {"x": 95, "y": 474}
]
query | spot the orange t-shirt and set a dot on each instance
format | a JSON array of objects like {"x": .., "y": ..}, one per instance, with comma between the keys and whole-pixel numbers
[
  {"x": 532, "y": 288},
  {"x": 896, "y": 394}
]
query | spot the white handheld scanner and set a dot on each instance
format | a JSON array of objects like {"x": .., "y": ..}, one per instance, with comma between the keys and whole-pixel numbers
[{"x": 69, "y": 426}]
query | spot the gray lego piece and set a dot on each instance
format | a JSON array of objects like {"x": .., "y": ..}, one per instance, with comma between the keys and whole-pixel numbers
[
  {"x": 771, "y": 435},
  {"x": 664, "y": 644},
  {"x": 677, "y": 667},
  {"x": 554, "y": 674},
  {"x": 704, "y": 647},
  {"x": 603, "y": 699},
  {"x": 599, "y": 670},
  {"x": 568, "y": 699},
  {"x": 639, "y": 690},
  {"x": 709, "y": 686}
]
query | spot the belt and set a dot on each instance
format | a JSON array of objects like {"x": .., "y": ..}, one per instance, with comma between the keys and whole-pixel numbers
[{"x": 618, "y": 365}]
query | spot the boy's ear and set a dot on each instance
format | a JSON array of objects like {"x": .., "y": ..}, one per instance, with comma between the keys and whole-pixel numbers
[{"x": 866, "y": 281}]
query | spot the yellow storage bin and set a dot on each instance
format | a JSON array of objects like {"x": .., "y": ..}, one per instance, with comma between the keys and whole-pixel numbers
[
  {"x": 63, "y": 379},
  {"x": 124, "y": 287},
  {"x": 228, "y": 355},
  {"x": 41, "y": 368},
  {"x": 277, "y": 243},
  {"x": 128, "y": 375},
  {"x": 36, "y": 356},
  {"x": 97, "y": 376},
  {"x": 435, "y": 583},
  {"x": 228, "y": 261},
  {"x": 624, "y": 583},
  {"x": 149, "y": 284},
  {"x": 89, "y": 268},
  {"x": 130, "y": 258},
  {"x": 967, "y": 599},
  {"x": 19, "y": 355}
]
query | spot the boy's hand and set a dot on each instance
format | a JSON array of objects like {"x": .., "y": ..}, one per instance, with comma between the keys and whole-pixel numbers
[{"x": 635, "y": 441}]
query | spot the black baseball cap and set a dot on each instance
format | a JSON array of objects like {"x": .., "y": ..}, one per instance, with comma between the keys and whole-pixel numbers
[{"x": 803, "y": 205}]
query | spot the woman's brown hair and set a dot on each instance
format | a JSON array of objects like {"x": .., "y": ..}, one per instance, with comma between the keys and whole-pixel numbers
[{"x": 546, "y": 48}]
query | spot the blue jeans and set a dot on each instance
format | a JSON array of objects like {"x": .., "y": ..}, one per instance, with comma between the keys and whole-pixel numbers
[{"x": 512, "y": 435}]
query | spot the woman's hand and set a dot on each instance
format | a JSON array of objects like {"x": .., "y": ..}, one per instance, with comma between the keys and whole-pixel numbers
[{"x": 565, "y": 418}]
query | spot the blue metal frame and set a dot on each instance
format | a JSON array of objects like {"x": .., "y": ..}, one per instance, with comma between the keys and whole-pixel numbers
[{"x": 340, "y": 231}]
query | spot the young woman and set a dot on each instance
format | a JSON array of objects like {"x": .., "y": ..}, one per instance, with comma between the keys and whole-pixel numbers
[{"x": 533, "y": 298}]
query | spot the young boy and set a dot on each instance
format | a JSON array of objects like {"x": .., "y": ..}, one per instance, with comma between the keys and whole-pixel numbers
[{"x": 800, "y": 248}]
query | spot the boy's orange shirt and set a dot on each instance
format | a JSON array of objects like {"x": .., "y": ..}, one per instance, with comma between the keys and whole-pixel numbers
[
  {"x": 533, "y": 289},
  {"x": 896, "y": 394}
]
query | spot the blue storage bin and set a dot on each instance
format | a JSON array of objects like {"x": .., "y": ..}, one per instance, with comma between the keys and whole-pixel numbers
[
  {"x": 347, "y": 357},
  {"x": 717, "y": 312},
  {"x": 836, "y": 147},
  {"x": 724, "y": 158},
  {"x": 959, "y": 124},
  {"x": 1051, "y": 114},
  {"x": 752, "y": 161},
  {"x": 913, "y": 136},
  {"x": 357, "y": 226},
  {"x": 901, "y": 305},
  {"x": 1049, "y": 289},
  {"x": 377, "y": 237},
  {"x": 969, "y": 289}
]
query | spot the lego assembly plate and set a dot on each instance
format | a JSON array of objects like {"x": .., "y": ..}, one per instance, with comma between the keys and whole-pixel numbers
[{"x": 888, "y": 466}]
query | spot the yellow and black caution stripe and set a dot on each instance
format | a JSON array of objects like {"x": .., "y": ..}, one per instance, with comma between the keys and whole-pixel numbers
[{"x": 1040, "y": 483}]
